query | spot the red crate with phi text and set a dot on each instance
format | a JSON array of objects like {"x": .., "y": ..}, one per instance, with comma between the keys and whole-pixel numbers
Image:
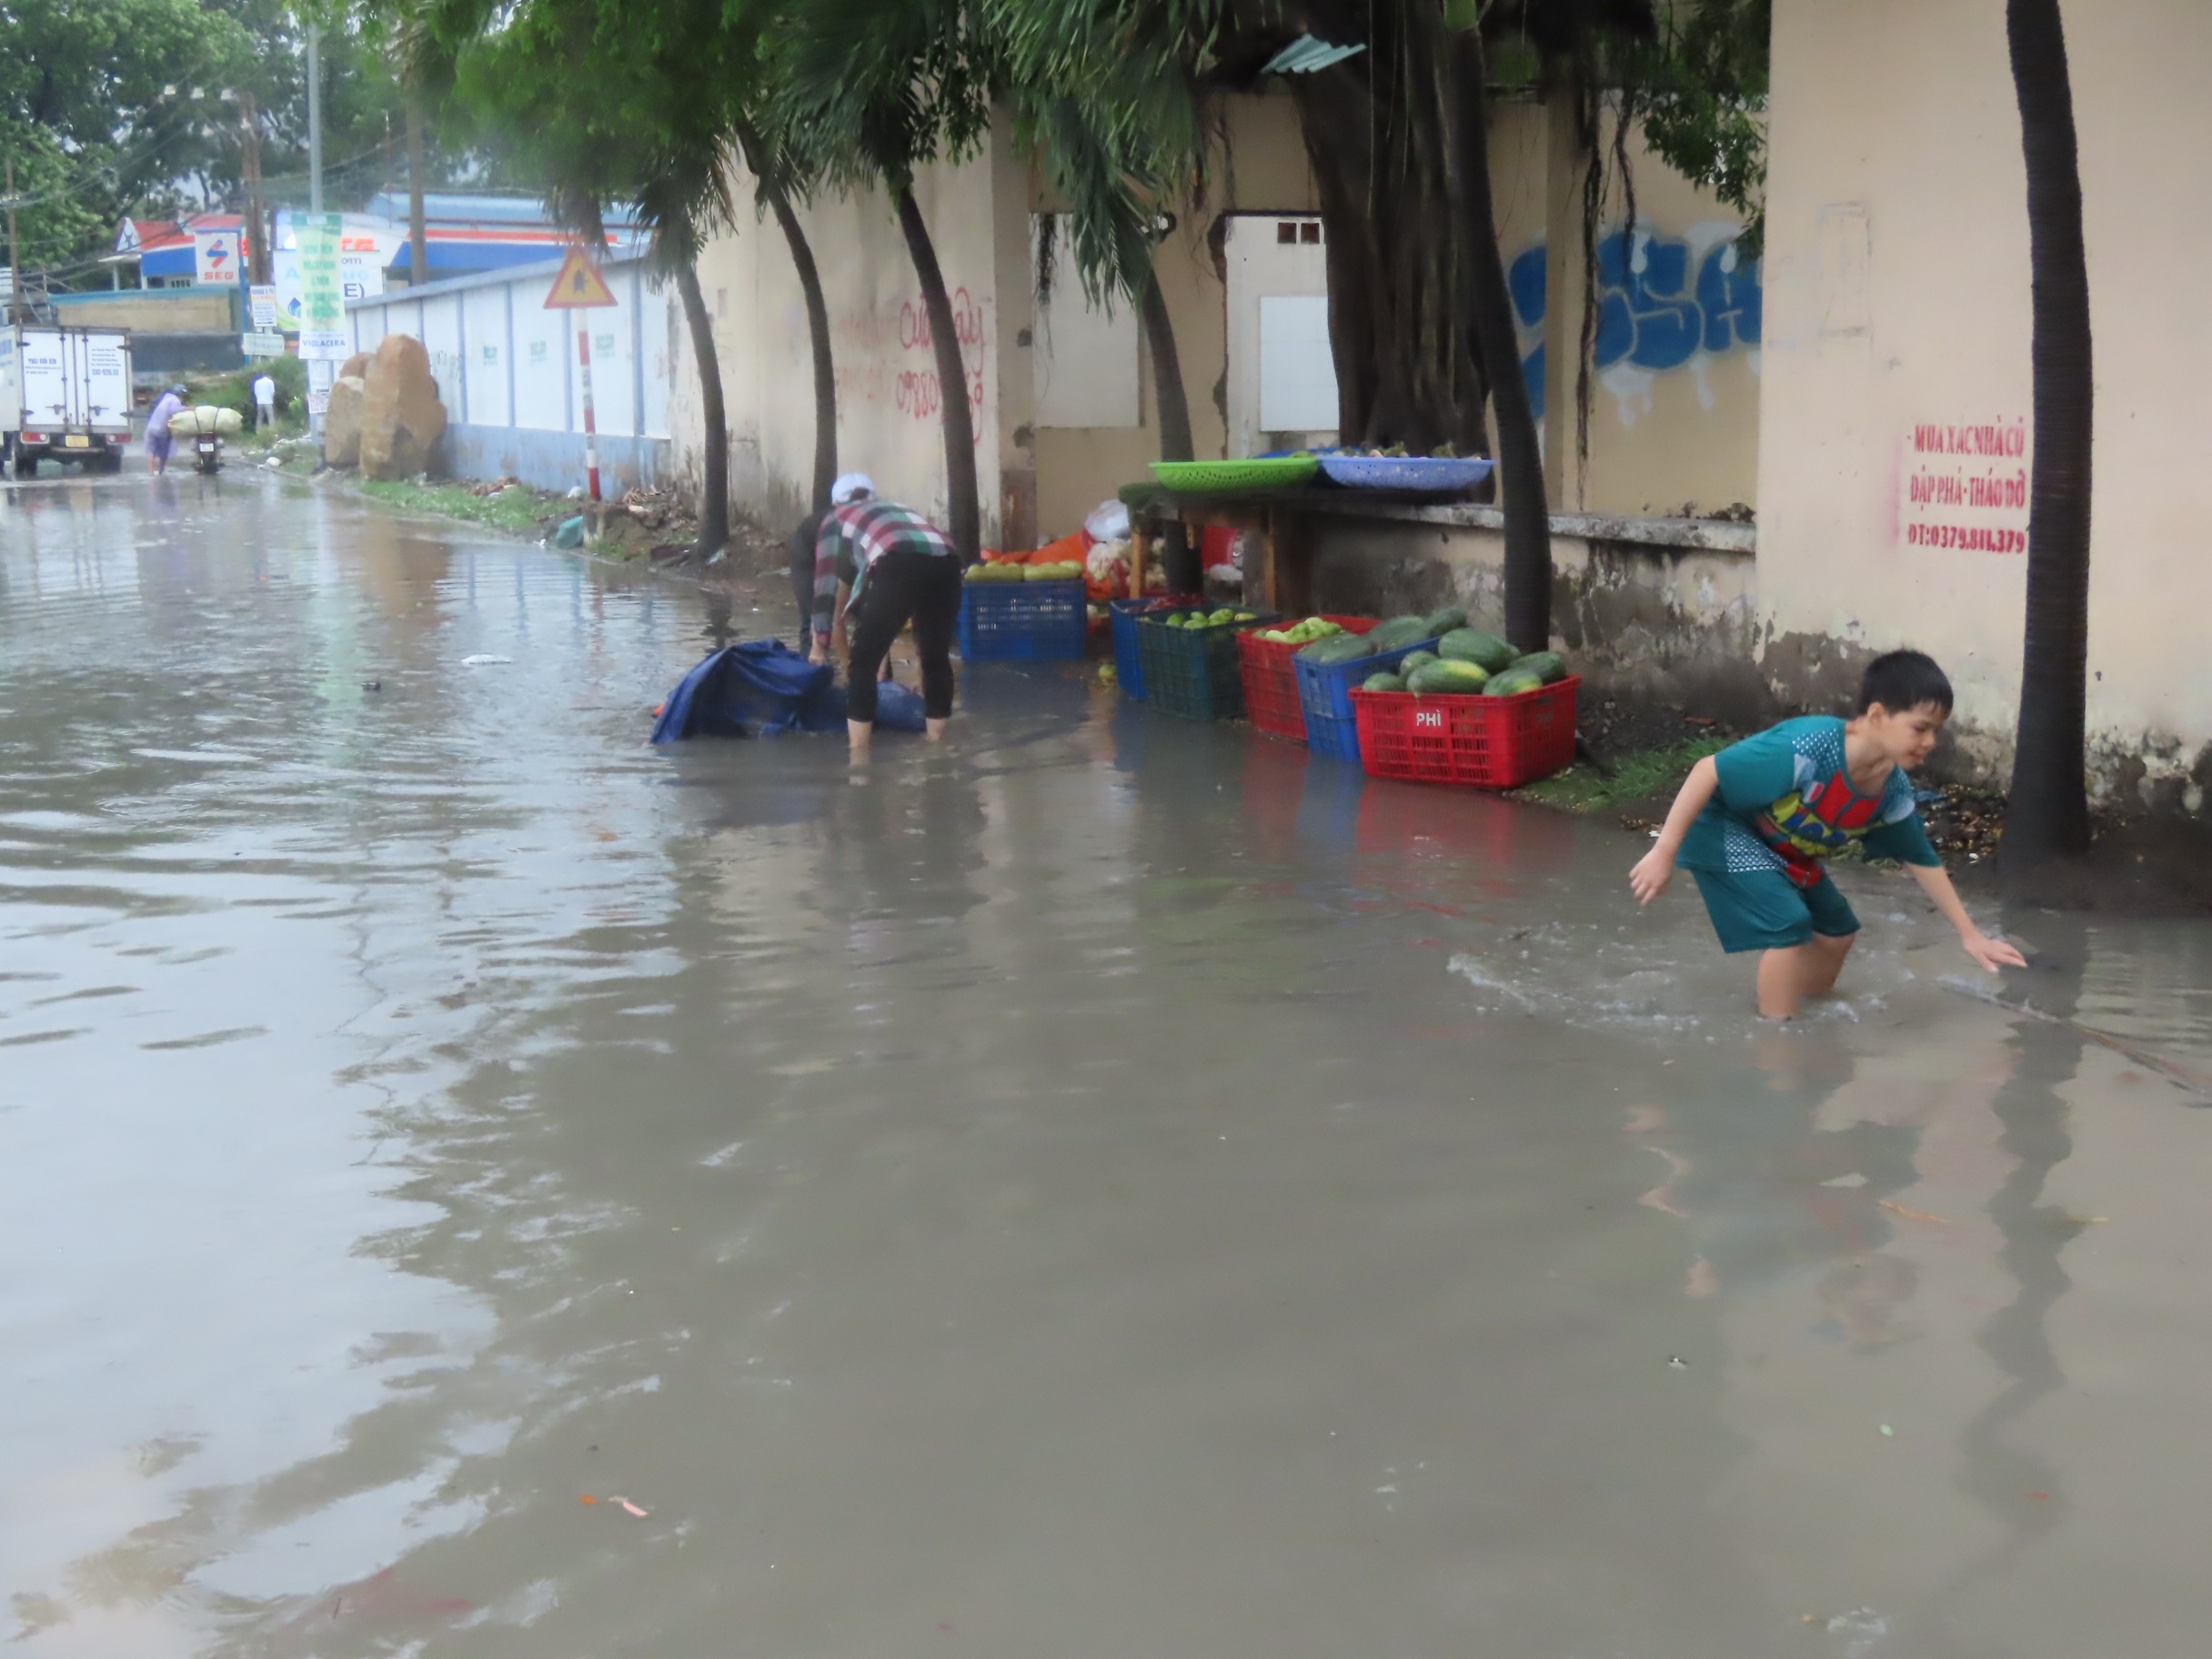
[{"x": 1480, "y": 743}]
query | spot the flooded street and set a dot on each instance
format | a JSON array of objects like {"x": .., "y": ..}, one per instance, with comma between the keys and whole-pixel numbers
[{"x": 471, "y": 1183}]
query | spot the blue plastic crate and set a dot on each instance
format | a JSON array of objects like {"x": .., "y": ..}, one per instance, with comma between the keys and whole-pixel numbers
[
  {"x": 1324, "y": 697},
  {"x": 1023, "y": 621},
  {"x": 1128, "y": 661}
]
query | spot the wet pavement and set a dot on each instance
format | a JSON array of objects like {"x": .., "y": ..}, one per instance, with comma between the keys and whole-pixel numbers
[{"x": 1107, "y": 1188}]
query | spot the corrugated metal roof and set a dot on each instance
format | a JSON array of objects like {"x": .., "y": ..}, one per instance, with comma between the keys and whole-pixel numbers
[{"x": 1305, "y": 55}]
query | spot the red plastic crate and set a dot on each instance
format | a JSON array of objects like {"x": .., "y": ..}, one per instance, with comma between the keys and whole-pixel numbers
[
  {"x": 1270, "y": 684},
  {"x": 1486, "y": 742}
]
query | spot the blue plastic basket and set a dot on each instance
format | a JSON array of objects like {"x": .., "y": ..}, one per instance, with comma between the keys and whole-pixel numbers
[
  {"x": 1023, "y": 621},
  {"x": 1324, "y": 697},
  {"x": 1444, "y": 476}
]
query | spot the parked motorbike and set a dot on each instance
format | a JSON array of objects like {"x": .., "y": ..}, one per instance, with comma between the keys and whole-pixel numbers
[{"x": 204, "y": 428}]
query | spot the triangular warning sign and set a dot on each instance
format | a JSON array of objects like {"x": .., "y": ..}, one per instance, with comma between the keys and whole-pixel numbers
[{"x": 579, "y": 285}]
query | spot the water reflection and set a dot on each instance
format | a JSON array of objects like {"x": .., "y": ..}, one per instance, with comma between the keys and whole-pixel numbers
[{"x": 1108, "y": 1184}]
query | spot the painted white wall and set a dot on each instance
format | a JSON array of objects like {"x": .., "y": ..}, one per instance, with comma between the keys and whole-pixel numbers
[
  {"x": 484, "y": 327},
  {"x": 438, "y": 327},
  {"x": 542, "y": 353},
  {"x": 1083, "y": 360},
  {"x": 1898, "y": 295},
  {"x": 889, "y": 421}
]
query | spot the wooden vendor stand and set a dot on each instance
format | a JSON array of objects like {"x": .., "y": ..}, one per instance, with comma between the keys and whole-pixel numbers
[{"x": 1282, "y": 582}]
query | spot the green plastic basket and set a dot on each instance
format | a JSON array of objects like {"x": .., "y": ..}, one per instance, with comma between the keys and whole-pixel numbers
[{"x": 1205, "y": 478}]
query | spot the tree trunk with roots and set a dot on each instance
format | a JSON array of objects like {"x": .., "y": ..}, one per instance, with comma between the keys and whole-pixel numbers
[
  {"x": 818, "y": 334},
  {"x": 1528, "y": 520},
  {"x": 714, "y": 450},
  {"x": 965, "y": 529},
  {"x": 1420, "y": 320},
  {"x": 2048, "y": 814},
  {"x": 1176, "y": 443}
]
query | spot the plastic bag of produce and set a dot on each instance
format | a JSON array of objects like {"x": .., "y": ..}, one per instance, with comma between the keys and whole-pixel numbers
[{"x": 1109, "y": 521}]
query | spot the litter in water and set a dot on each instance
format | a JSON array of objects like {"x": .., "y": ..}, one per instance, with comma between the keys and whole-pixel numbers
[
  {"x": 483, "y": 659},
  {"x": 1911, "y": 1215},
  {"x": 1860, "y": 1629}
]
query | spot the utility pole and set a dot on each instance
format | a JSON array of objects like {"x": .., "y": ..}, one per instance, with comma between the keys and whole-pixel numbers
[
  {"x": 318, "y": 371},
  {"x": 418, "y": 263},
  {"x": 249, "y": 164},
  {"x": 315, "y": 119}
]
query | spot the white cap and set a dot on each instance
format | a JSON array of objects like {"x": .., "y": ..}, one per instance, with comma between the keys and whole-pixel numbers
[{"x": 850, "y": 489}]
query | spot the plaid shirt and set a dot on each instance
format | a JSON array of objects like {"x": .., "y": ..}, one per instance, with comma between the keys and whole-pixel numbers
[{"x": 853, "y": 537}]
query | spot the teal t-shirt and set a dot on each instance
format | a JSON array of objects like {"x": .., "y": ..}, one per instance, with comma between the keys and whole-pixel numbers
[{"x": 1786, "y": 802}]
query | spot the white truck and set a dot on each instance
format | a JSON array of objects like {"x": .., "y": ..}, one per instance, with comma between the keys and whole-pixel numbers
[{"x": 68, "y": 397}]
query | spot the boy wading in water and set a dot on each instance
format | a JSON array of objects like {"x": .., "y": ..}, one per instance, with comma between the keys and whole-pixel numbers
[{"x": 1753, "y": 823}]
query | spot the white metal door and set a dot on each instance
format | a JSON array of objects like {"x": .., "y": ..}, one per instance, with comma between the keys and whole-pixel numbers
[
  {"x": 45, "y": 378},
  {"x": 11, "y": 384},
  {"x": 104, "y": 380}
]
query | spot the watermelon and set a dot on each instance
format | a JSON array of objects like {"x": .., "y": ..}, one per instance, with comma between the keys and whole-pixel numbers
[
  {"x": 1547, "y": 665},
  {"x": 1447, "y": 678},
  {"x": 1415, "y": 660},
  {"x": 1399, "y": 631},
  {"x": 1513, "y": 682},
  {"x": 1486, "y": 651},
  {"x": 1440, "y": 622},
  {"x": 1382, "y": 682},
  {"x": 1338, "y": 648}
]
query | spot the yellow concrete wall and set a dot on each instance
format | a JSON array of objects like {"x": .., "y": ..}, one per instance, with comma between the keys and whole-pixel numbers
[
  {"x": 888, "y": 424},
  {"x": 1898, "y": 295},
  {"x": 1263, "y": 170},
  {"x": 1674, "y": 418}
]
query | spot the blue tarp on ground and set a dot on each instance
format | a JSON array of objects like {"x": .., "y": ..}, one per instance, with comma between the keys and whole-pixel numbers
[{"x": 762, "y": 688}]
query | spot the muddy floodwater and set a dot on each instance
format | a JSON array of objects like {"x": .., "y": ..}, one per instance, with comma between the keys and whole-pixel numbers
[{"x": 472, "y": 1183}]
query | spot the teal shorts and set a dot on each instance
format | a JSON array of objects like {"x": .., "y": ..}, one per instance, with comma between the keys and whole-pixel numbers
[{"x": 1764, "y": 910}]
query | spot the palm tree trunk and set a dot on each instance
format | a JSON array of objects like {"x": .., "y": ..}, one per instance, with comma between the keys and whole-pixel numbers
[
  {"x": 714, "y": 448},
  {"x": 1176, "y": 443},
  {"x": 1528, "y": 523},
  {"x": 818, "y": 332},
  {"x": 965, "y": 511},
  {"x": 419, "y": 251},
  {"x": 2048, "y": 814}
]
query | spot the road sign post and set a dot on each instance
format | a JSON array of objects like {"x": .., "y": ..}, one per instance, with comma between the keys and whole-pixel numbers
[{"x": 579, "y": 287}]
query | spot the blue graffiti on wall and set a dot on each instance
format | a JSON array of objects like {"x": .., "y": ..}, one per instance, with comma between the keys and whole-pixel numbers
[{"x": 1653, "y": 312}]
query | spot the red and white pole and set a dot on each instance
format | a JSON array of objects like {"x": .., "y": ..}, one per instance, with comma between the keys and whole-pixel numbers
[{"x": 592, "y": 432}]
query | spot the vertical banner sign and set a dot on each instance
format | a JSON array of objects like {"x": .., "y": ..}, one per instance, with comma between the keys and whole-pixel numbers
[
  {"x": 579, "y": 287},
  {"x": 261, "y": 302},
  {"x": 322, "y": 296}
]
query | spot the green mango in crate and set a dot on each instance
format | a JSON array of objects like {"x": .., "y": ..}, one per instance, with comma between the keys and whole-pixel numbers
[
  {"x": 1415, "y": 660},
  {"x": 1382, "y": 682}
]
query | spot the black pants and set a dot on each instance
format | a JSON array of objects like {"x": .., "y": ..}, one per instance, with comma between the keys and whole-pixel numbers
[{"x": 905, "y": 586}]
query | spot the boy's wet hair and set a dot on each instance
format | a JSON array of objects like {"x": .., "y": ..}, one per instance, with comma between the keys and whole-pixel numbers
[{"x": 1904, "y": 680}]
